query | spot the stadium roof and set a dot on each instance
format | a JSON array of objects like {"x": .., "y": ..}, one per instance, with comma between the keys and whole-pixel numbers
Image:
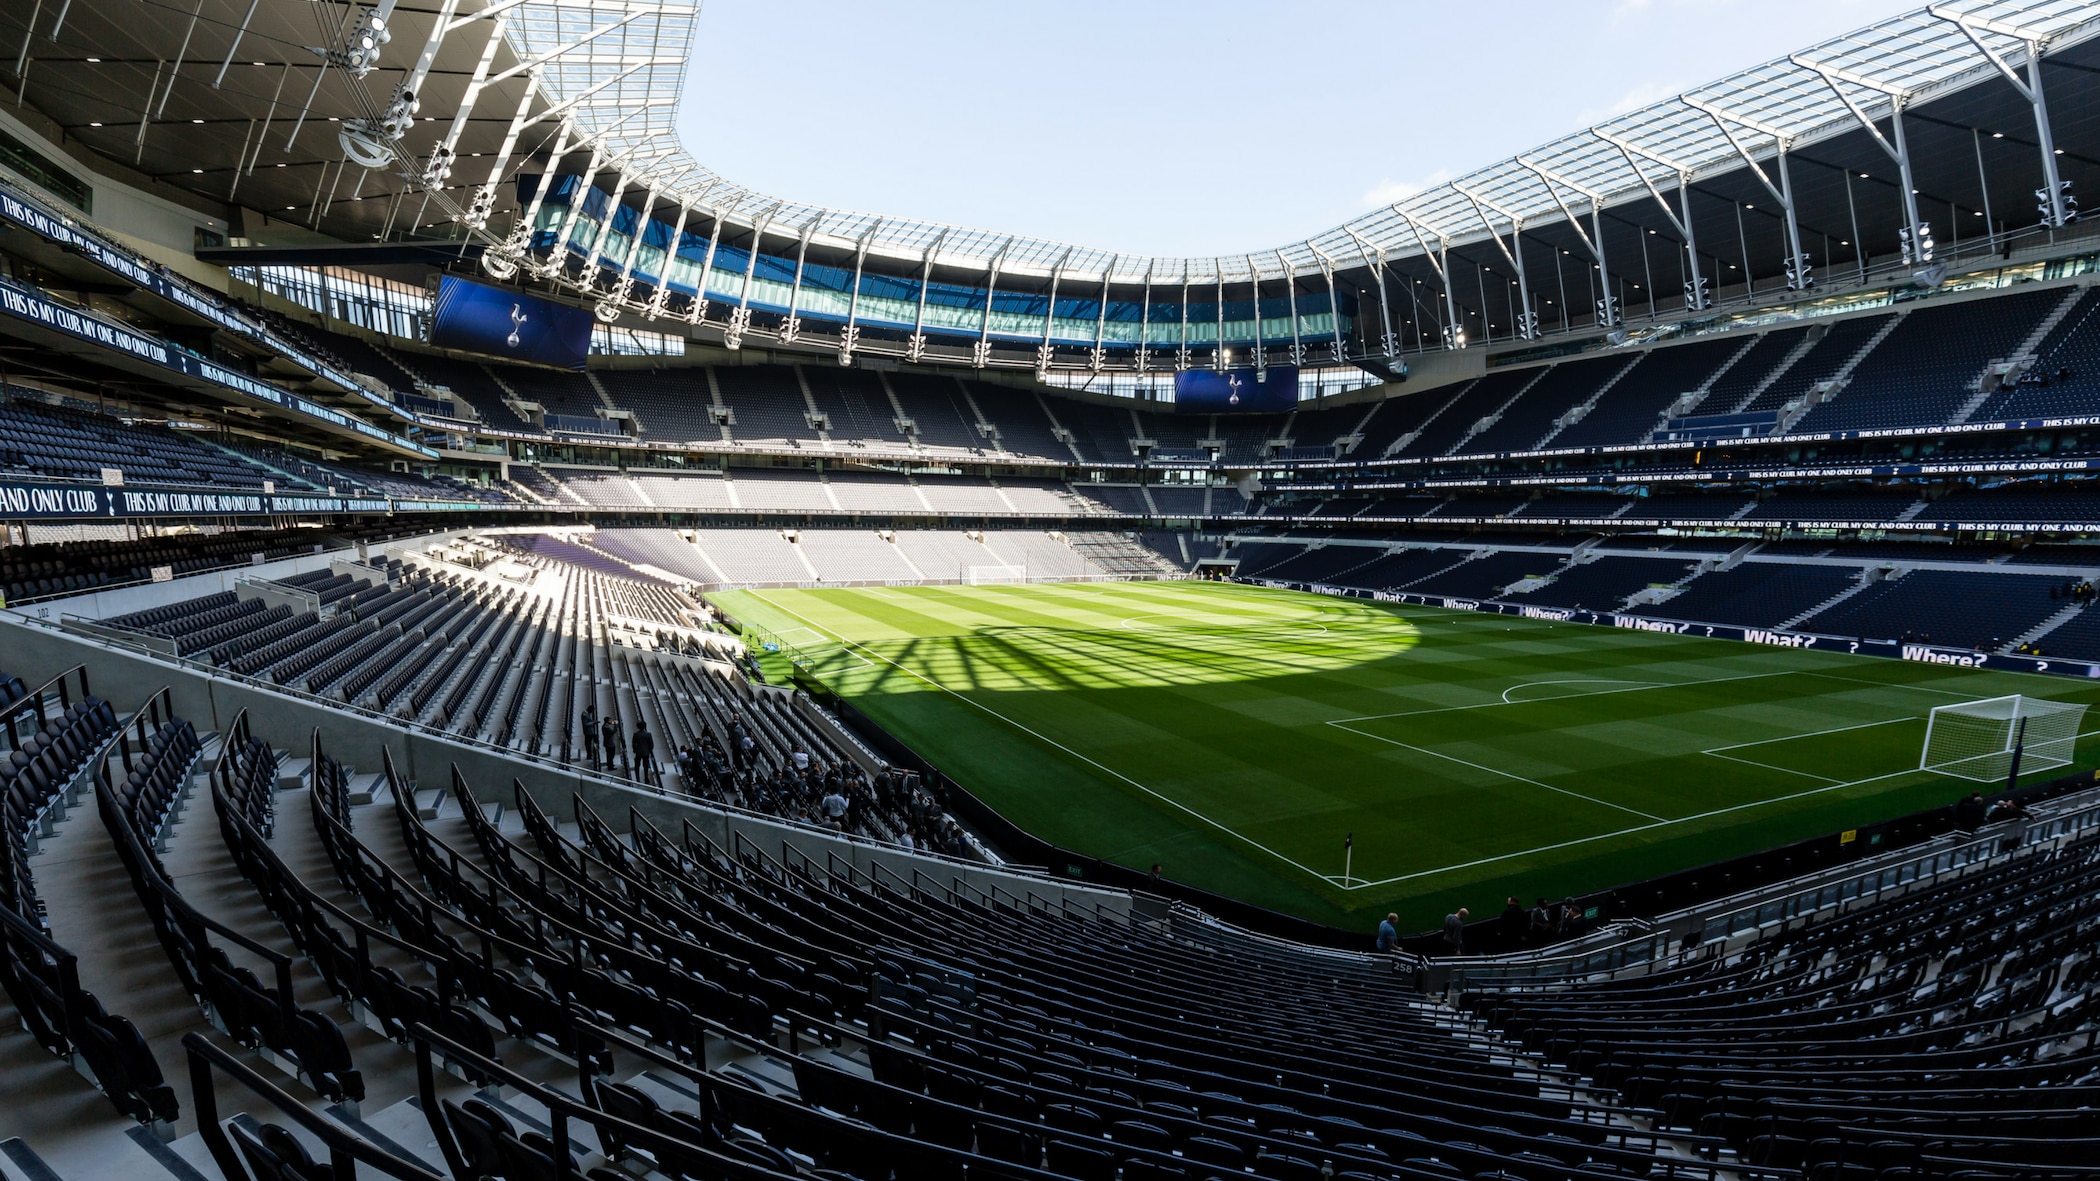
[
  {"x": 1810, "y": 96},
  {"x": 262, "y": 100}
]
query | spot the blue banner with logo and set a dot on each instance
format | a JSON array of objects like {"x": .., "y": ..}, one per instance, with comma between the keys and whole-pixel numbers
[
  {"x": 476, "y": 318},
  {"x": 1236, "y": 391}
]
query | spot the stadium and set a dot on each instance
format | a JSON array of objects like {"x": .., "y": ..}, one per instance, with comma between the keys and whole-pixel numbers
[{"x": 523, "y": 658}]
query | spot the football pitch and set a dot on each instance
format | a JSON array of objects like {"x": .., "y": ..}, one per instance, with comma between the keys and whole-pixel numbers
[{"x": 1238, "y": 735}]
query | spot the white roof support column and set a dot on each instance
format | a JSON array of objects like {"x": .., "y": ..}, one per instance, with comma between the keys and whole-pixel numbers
[
  {"x": 1261, "y": 352},
  {"x": 438, "y": 168},
  {"x": 740, "y": 317},
  {"x": 1098, "y": 356},
  {"x": 608, "y": 309},
  {"x": 1181, "y": 352},
  {"x": 587, "y": 279},
  {"x": 791, "y": 327},
  {"x": 502, "y": 261},
  {"x": 657, "y": 297},
  {"x": 697, "y": 310},
  {"x": 981, "y": 352},
  {"x": 849, "y": 337},
  {"x": 915, "y": 349},
  {"x": 557, "y": 254},
  {"x": 1917, "y": 236},
  {"x": 1290, "y": 285},
  {"x": 1698, "y": 294},
  {"x": 483, "y": 203},
  {"x": 1044, "y": 350},
  {"x": 1607, "y": 298},
  {"x": 2052, "y": 204},
  {"x": 1144, "y": 341},
  {"x": 374, "y": 143},
  {"x": 1217, "y": 356},
  {"x": 1334, "y": 303},
  {"x": 1527, "y": 324},
  {"x": 1800, "y": 272},
  {"x": 1454, "y": 330}
]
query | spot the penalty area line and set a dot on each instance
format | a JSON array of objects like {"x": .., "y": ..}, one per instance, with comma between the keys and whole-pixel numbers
[
  {"x": 1495, "y": 771},
  {"x": 1639, "y": 828},
  {"x": 1047, "y": 741}
]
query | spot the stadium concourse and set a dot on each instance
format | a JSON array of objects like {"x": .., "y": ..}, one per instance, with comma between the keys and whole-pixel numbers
[{"x": 530, "y": 660}]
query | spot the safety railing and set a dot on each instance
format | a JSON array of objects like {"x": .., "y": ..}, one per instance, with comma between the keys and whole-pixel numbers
[{"x": 345, "y": 1150}]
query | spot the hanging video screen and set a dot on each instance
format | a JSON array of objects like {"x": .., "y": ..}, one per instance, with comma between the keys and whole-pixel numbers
[
  {"x": 476, "y": 318},
  {"x": 1236, "y": 391}
]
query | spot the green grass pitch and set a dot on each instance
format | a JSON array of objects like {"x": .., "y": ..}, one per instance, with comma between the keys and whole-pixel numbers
[{"x": 1236, "y": 734}]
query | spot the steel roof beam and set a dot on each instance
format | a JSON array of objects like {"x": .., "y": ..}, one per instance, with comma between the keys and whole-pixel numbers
[
  {"x": 1527, "y": 326},
  {"x": 2052, "y": 193},
  {"x": 1916, "y": 234},
  {"x": 1697, "y": 297},
  {"x": 1799, "y": 273}
]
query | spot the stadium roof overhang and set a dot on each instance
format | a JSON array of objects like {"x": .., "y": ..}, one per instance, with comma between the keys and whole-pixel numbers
[{"x": 1942, "y": 122}]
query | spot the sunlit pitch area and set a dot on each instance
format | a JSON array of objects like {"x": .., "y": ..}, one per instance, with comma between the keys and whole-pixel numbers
[{"x": 1237, "y": 735}]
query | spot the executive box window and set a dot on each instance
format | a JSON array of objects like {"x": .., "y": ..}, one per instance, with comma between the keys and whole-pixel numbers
[{"x": 39, "y": 170}]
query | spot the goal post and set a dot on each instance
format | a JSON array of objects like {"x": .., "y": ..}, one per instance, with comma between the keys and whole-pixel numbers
[
  {"x": 1974, "y": 740},
  {"x": 993, "y": 575}
]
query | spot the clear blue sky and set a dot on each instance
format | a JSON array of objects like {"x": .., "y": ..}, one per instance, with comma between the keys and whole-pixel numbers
[{"x": 1196, "y": 128}]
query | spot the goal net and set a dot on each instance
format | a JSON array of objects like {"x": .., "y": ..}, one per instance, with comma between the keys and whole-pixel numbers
[
  {"x": 986, "y": 575},
  {"x": 1975, "y": 739}
]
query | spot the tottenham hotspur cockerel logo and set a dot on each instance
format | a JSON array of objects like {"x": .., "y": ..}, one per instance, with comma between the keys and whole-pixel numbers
[
  {"x": 517, "y": 321},
  {"x": 1232, "y": 382}
]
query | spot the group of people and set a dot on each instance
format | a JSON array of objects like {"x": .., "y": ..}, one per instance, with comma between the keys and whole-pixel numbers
[
  {"x": 1518, "y": 927},
  {"x": 890, "y": 805},
  {"x": 636, "y": 755},
  {"x": 1972, "y": 813}
]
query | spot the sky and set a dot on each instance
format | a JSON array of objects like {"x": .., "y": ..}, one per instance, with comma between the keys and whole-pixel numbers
[{"x": 1190, "y": 128}]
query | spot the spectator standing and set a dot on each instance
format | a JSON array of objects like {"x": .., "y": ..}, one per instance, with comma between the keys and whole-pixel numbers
[
  {"x": 1455, "y": 931},
  {"x": 645, "y": 768},
  {"x": 609, "y": 733},
  {"x": 1541, "y": 922},
  {"x": 590, "y": 732},
  {"x": 1513, "y": 922},
  {"x": 1969, "y": 813}
]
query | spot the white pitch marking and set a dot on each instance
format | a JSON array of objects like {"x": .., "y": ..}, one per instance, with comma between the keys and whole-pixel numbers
[
  {"x": 1059, "y": 745},
  {"x": 1604, "y": 836},
  {"x": 1574, "y": 681},
  {"x": 1444, "y": 709},
  {"x": 1498, "y": 771}
]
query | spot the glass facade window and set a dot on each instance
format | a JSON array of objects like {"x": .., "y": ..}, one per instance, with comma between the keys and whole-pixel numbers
[{"x": 826, "y": 292}]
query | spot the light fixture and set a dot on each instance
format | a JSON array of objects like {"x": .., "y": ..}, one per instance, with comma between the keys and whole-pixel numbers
[
  {"x": 2059, "y": 151},
  {"x": 258, "y": 63},
  {"x": 280, "y": 165},
  {"x": 1748, "y": 205},
  {"x": 94, "y": 61},
  {"x": 94, "y": 125},
  {"x": 1844, "y": 242},
  {"x": 196, "y": 120},
  {"x": 289, "y": 207},
  {"x": 197, "y": 171},
  {"x": 1997, "y": 135}
]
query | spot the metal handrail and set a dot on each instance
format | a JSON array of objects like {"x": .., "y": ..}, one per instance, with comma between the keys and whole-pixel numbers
[{"x": 346, "y": 1149}]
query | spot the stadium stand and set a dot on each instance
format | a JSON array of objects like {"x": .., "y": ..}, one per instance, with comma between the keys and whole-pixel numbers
[
  {"x": 60, "y": 441},
  {"x": 772, "y": 950},
  {"x": 1605, "y": 583},
  {"x": 1757, "y": 594},
  {"x": 1931, "y": 362},
  {"x": 1953, "y": 608}
]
